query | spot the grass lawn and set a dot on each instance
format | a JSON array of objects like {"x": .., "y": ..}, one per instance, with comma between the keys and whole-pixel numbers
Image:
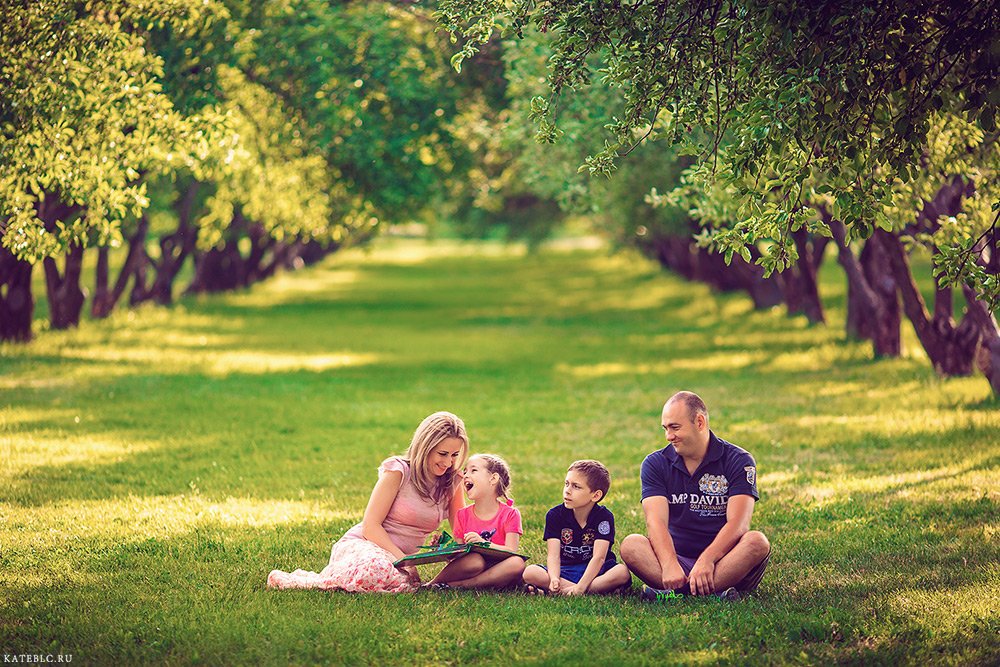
[{"x": 156, "y": 466}]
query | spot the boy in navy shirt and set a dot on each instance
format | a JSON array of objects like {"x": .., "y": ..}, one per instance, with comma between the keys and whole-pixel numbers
[
  {"x": 579, "y": 534},
  {"x": 698, "y": 495}
]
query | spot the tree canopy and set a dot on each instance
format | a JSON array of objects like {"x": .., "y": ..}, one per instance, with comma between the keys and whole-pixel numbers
[{"x": 786, "y": 106}]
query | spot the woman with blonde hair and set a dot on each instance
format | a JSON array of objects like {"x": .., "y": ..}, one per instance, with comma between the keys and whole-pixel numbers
[{"x": 413, "y": 495}]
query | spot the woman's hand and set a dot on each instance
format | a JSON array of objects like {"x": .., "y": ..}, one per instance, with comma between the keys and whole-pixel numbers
[{"x": 411, "y": 573}]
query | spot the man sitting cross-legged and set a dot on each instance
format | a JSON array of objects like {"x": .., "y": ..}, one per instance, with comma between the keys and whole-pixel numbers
[{"x": 698, "y": 495}]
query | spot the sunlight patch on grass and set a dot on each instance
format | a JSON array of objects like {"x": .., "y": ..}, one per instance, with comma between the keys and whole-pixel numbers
[
  {"x": 961, "y": 481},
  {"x": 33, "y": 451},
  {"x": 849, "y": 391},
  {"x": 142, "y": 517},
  {"x": 288, "y": 286},
  {"x": 69, "y": 377},
  {"x": 892, "y": 424},
  {"x": 964, "y": 609},
  {"x": 225, "y": 362},
  {"x": 715, "y": 362},
  {"x": 813, "y": 359},
  {"x": 265, "y": 362},
  {"x": 416, "y": 252}
]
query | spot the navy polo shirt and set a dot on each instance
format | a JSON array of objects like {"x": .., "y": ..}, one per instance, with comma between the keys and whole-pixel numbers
[
  {"x": 698, "y": 502},
  {"x": 576, "y": 543}
]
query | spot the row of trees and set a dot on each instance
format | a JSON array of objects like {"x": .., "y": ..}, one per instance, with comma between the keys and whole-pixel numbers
[
  {"x": 225, "y": 139},
  {"x": 221, "y": 139},
  {"x": 747, "y": 136}
]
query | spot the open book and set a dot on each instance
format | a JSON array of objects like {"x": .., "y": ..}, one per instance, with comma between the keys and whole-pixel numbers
[{"x": 446, "y": 548}]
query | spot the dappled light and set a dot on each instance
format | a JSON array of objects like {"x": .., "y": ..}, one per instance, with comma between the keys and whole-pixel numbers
[
  {"x": 718, "y": 362},
  {"x": 194, "y": 449},
  {"x": 245, "y": 247},
  {"x": 224, "y": 362}
]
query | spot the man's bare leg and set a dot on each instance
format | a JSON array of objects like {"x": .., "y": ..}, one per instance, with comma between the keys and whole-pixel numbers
[
  {"x": 638, "y": 554},
  {"x": 753, "y": 547},
  {"x": 748, "y": 553}
]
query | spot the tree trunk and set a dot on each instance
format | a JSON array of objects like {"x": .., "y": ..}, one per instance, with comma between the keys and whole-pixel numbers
[
  {"x": 875, "y": 265},
  {"x": 952, "y": 349},
  {"x": 17, "y": 304},
  {"x": 105, "y": 299},
  {"x": 218, "y": 270},
  {"x": 799, "y": 283},
  {"x": 872, "y": 305},
  {"x": 65, "y": 296},
  {"x": 314, "y": 251},
  {"x": 174, "y": 249},
  {"x": 63, "y": 289},
  {"x": 738, "y": 275},
  {"x": 680, "y": 255},
  {"x": 221, "y": 269},
  {"x": 988, "y": 355},
  {"x": 674, "y": 253},
  {"x": 261, "y": 243}
]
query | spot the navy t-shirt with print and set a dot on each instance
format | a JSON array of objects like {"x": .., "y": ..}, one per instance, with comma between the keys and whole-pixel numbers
[
  {"x": 577, "y": 544},
  {"x": 698, "y": 502}
]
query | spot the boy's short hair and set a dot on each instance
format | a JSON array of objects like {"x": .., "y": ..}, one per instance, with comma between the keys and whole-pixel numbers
[{"x": 598, "y": 477}]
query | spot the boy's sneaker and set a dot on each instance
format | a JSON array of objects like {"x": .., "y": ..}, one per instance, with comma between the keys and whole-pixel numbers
[
  {"x": 729, "y": 595},
  {"x": 650, "y": 594}
]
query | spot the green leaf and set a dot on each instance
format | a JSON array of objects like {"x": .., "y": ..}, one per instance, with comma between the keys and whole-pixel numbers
[{"x": 987, "y": 119}]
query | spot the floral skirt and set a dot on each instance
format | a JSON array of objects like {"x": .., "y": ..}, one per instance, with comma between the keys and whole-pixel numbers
[{"x": 356, "y": 565}]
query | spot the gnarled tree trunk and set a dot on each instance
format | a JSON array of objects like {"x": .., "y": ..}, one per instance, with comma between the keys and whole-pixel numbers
[
  {"x": 952, "y": 348},
  {"x": 799, "y": 282},
  {"x": 63, "y": 289},
  {"x": 872, "y": 305},
  {"x": 174, "y": 251},
  {"x": 681, "y": 255},
  {"x": 17, "y": 304},
  {"x": 222, "y": 268},
  {"x": 988, "y": 355},
  {"x": 104, "y": 298}
]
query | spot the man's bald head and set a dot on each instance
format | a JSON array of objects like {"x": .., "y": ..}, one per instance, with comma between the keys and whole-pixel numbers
[{"x": 692, "y": 401}]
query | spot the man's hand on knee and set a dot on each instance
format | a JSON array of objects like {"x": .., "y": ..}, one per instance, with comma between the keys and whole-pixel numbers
[
  {"x": 673, "y": 576},
  {"x": 702, "y": 578}
]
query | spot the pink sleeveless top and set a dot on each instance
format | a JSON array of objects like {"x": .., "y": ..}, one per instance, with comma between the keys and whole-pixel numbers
[{"x": 411, "y": 517}]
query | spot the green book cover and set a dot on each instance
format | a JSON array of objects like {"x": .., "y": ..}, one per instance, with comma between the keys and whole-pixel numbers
[{"x": 446, "y": 548}]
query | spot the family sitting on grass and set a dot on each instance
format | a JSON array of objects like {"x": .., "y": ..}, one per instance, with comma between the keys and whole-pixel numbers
[{"x": 698, "y": 495}]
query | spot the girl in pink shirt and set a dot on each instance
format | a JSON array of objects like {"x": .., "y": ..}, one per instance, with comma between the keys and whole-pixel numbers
[
  {"x": 490, "y": 518},
  {"x": 413, "y": 495}
]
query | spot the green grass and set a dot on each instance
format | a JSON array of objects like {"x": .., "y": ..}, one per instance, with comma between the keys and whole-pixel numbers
[{"x": 156, "y": 466}]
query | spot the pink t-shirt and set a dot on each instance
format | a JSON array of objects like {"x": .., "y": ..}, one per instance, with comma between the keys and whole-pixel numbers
[
  {"x": 411, "y": 517},
  {"x": 507, "y": 520}
]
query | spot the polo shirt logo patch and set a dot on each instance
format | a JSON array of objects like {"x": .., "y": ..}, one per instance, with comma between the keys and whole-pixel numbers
[
  {"x": 751, "y": 475},
  {"x": 604, "y": 528},
  {"x": 567, "y": 535},
  {"x": 713, "y": 485}
]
